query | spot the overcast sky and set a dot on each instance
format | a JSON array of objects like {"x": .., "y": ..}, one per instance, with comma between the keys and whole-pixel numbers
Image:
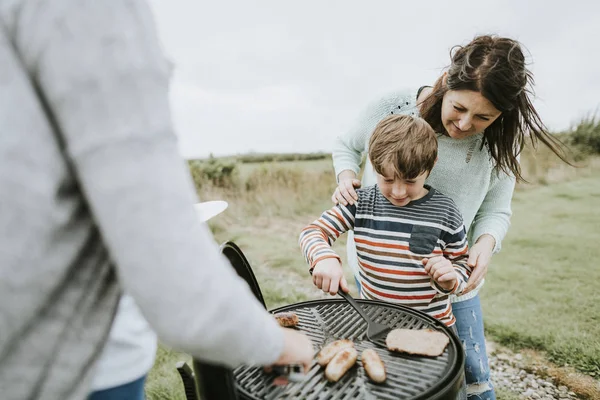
[{"x": 282, "y": 76}]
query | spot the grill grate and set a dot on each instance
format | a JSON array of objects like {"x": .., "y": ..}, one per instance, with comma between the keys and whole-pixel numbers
[{"x": 408, "y": 377}]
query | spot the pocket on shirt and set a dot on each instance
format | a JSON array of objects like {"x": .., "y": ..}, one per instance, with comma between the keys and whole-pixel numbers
[{"x": 423, "y": 239}]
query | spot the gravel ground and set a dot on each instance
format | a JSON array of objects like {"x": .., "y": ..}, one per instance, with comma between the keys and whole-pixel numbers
[{"x": 508, "y": 372}]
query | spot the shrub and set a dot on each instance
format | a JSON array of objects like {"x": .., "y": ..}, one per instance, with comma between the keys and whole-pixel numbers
[
  {"x": 279, "y": 157},
  {"x": 216, "y": 172},
  {"x": 272, "y": 175},
  {"x": 586, "y": 135}
]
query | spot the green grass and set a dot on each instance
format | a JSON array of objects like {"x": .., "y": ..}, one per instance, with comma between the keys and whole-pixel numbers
[
  {"x": 163, "y": 382},
  {"x": 541, "y": 290}
]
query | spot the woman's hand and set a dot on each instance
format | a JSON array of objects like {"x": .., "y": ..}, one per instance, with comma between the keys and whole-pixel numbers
[
  {"x": 479, "y": 259},
  {"x": 345, "y": 193},
  {"x": 328, "y": 275}
]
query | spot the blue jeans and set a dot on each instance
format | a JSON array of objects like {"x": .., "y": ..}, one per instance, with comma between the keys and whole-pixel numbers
[
  {"x": 469, "y": 323},
  {"x": 129, "y": 391}
]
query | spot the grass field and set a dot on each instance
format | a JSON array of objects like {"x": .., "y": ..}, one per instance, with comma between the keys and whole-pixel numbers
[{"x": 541, "y": 289}]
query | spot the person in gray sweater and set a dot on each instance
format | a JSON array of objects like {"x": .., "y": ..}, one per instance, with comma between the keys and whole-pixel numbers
[{"x": 95, "y": 199}]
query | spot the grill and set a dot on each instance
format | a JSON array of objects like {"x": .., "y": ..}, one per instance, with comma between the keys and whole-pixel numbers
[{"x": 408, "y": 377}]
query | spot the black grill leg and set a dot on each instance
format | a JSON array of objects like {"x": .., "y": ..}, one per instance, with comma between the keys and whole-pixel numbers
[
  {"x": 217, "y": 382},
  {"x": 214, "y": 382},
  {"x": 187, "y": 376}
]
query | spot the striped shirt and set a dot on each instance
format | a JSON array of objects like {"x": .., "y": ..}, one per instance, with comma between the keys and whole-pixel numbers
[{"x": 391, "y": 243}]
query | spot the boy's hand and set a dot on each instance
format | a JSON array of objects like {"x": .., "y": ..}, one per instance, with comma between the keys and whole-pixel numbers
[
  {"x": 441, "y": 270},
  {"x": 328, "y": 276}
]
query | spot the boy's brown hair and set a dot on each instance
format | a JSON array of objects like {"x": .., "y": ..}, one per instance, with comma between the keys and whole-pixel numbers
[{"x": 407, "y": 144}]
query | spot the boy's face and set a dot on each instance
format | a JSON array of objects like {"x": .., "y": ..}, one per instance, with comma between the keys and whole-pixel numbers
[{"x": 399, "y": 191}]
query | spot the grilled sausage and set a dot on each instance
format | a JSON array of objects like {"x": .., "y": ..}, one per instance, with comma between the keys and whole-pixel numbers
[
  {"x": 373, "y": 365},
  {"x": 328, "y": 352},
  {"x": 287, "y": 319},
  {"x": 341, "y": 363}
]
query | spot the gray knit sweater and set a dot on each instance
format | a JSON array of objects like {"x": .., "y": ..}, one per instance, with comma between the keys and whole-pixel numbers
[{"x": 93, "y": 192}]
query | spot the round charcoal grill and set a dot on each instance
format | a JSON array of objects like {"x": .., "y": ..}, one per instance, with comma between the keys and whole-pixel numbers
[{"x": 408, "y": 377}]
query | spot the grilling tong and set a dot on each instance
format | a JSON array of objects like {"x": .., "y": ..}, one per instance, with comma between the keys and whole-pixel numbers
[{"x": 293, "y": 372}]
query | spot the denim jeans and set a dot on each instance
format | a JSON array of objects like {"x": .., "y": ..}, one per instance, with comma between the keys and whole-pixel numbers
[
  {"x": 469, "y": 323},
  {"x": 129, "y": 391}
]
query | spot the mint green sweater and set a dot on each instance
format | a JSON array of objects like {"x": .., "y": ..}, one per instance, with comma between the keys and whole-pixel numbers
[{"x": 464, "y": 171}]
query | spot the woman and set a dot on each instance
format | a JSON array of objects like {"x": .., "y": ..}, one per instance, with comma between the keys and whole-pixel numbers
[{"x": 482, "y": 111}]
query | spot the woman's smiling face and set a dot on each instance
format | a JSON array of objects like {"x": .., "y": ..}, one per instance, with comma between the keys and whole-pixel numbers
[{"x": 466, "y": 113}]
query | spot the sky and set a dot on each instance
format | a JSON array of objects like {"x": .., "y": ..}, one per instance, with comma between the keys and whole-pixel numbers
[{"x": 282, "y": 76}]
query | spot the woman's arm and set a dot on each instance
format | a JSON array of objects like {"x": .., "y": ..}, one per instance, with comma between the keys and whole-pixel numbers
[
  {"x": 349, "y": 148},
  {"x": 490, "y": 226},
  {"x": 493, "y": 216},
  {"x": 105, "y": 84}
]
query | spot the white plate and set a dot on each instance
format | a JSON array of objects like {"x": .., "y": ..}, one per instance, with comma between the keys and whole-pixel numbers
[{"x": 208, "y": 209}]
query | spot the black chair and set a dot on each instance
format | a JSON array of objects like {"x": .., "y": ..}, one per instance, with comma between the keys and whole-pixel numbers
[{"x": 215, "y": 382}]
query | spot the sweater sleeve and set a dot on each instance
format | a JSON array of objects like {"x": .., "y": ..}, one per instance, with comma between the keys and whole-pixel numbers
[
  {"x": 348, "y": 149},
  {"x": 493, "y": 216},
  {"x": 455, "y": 249},
  {"x": 317, "y": 238},
  {"x": 105, "y": 84}
]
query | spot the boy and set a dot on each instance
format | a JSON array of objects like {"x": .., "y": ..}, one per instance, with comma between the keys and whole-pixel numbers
[{"x": 410, "y": 239}]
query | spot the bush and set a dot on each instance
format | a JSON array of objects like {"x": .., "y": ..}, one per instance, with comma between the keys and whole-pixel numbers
[
  {"x": 216, "y": 172},
  {"x": 586, "y": 135},
  {"x": 279, "y": 157},
  {"x": 272, "y": 175}
]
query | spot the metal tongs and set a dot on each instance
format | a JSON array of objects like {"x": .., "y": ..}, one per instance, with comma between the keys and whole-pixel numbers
[{"x": 293, "y": 372}]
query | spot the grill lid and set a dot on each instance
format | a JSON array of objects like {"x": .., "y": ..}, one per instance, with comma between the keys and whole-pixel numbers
[{"x": 408, "y": 377}]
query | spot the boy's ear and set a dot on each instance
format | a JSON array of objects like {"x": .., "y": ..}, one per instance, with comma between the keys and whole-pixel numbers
[{"x": 435, "y": 162}]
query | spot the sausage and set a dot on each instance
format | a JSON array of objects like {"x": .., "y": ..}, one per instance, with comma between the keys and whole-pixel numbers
[
  {"x": 341, "y": 363},
  {"x": 287, "y": 319},
  {"x": 373, "y": 365},
  {"x": 328, "y": 352}
]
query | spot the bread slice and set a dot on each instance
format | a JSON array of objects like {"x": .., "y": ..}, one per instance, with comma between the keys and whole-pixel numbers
[{"x": 424, "y": 342}]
